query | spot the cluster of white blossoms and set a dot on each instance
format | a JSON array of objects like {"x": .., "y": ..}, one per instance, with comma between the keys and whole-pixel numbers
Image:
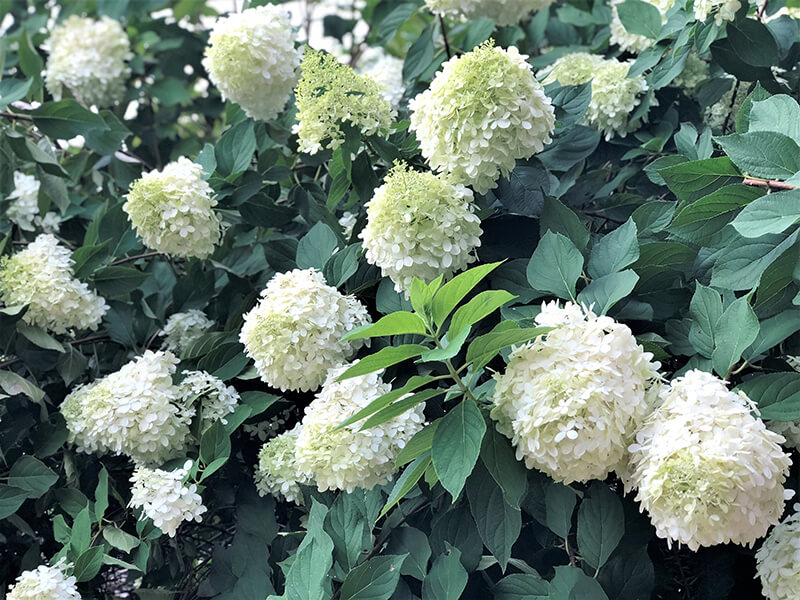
[
  {"x": 614, "y": 94},
  {"x": 571, "y": 402},
  {"x": 44, "y": 583},
  {"x": 707, "y": 471},
  {"x": 40, "y": 277},
  {"x": 387, "y": 71},
  {"x": 165, "y": 498},
  {"x": 723, "y": 112},
  {"x": 251, "y": 58},
  {"x": 276, "y": 472},
  {"x": 348, "y": 222},
  {"x": 723, "y": 10},
  {"x": 634, "y": 42},
  {"x": 347, "y": 458},
  {"x": 172, "y": 210},
  {"x": 695, "y": 73},
  {"x": 184, "y": 328},
  {"x": 88, "y": 58},
  {"x": 482, "y": 112},
  {"x": 216, "y": 400},
  {"x": 502, "y": 12},
  {"x": 294, "y": 334},
  {"x": 24, "y": 201},
  {"x": 135, "y": 411},
  {"x": 329, "y": 95},
  {"x": 778, "y": 559},
  {"x": 419, "y": 225},
  {"x": 790, "y": 430}
]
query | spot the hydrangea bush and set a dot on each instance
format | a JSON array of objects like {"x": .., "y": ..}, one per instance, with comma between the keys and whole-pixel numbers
[{"x": 388, "y": 300}]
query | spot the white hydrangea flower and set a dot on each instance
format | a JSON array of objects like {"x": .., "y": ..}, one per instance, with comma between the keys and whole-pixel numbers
[
  {"x": 387, "y": 71},
  {"x": 330, "y": 94},
  {"x": 349, "y": 457},
  {"x": 172, "y": 210},
  {"x": 571, "y": 401},
  {"x": 482, "y": 112},
  {"x": 251, "y": 58},
  {"x": 294, "y": 334},
  {"x": 88, "y": 58},
  {"x": 44, "y": 583},
  {"x": 790, "y": 430},
  {"x": 695, "y": 73},
  {"x": 184, "y": 328},
  {"x": 49, "y": 223},
  {"x": 134, "y": 411},
  {"x": 614, "y": 95},
  {"x": 40, "y": 277},
  {"x": 707, "y": 471},
  {"x": 778, "y": 559},
  {"x": 725, "y": 109},
  {"x": 216, "y": 400},
  {"x": 723, "y": 10},
  {"x": 634, "y": 42},
  {"x": 165, "y": 498},
  {"x": 420, "y": 226},
  {"x": 25, "y": 201},
  {"x": 348, "y": 222},
  {"x": 502, "y": 12},
  {"x": 277, "y": 473}
]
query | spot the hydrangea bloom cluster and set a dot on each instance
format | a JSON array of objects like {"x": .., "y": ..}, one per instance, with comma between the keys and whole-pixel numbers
[
  {"x": 387, "y": 71},
  {"x": 40, "y": 277},
  {"x": 778, "y": 559},
  {"x": 570, "y": 402},
  {"x": 330, "y": 94},
  {"x": 348, "y": 458},
  {"x": 790, "y": 430},
  {"x": 216, "y": 400},
  {"x": 172, "y": 210},
  {"x": 695, "y": 73},
  {"x": 725, "y": 109},
  {"x": 502, "y": 12},
  {"x": 184, "y": 328},
  {"x": 277, "y": 472},
  {"x": 614, "y": 94},
  {"x": 348, "y": 222},
  {"x": 707, "y": 471},
  {"x": 133, "y": 411},
  {"x": 165, "y": 498},
  {"x": 251, "y": 58},
  {"x": 634, "y": 42},
  {"x": 24, "y": 201},
  {"x": 88, "y": 57},
  {"x": 44, "y": 583},
  {"x": 723, "y": 10},
  {"x": 294, "y": 334},
  {"x": 482, "y": 112},
  {"x": 420, "y": 225}
]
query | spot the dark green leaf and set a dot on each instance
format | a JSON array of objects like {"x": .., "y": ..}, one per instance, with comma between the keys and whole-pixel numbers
[{"x": 456, "y": 445}]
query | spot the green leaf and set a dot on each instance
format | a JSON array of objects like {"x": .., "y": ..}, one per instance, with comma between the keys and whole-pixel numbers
[
  {"x": 454, "y": 291},
  {"x": 773, "y": 213},
  {"x": 11, "y": 498},
  {"x": 479, "y": 307},
  {"x": 118, "y": 280},
  {"x": 307, "y": 578},
  {"x": 401, "y": 406},
  {"x": 346, "y": 523},
  {"x": 510, "y": 474},
  {"x": 88, "y": 564},
  {"x": 740, "y": 265},
  {"x": 32, "y": 475},
  {"x": 12, "y": 90},
  {"x": 457, "y": 444},
  {"x": 31, "y": 63},
  {"x": 777, "y": 395},
  {"x": 421, "y": 442},
  {"x": 691, "y": 181},
  {"x": 411, "y": 541},
  {"x": 215, "y": 443},
  {"x": 447, "y": 578},
  {"x": 628, "y": 575},
  {"x": 375, "y": 579},
  {"x": 386, "y": 357},
  {"x": 235, "y": 149},
  {"x": 407, "y": 480},
  {"x": 39, "y": 337},
  {"x": 560, "y": 219},
  {"x": 486, "y": 347},
  {"x": 392, "y": 22},
  {"x": 698, "y": 221},
  {"x": 415, "y": 382},
  {"x": 397, "y": 323},
  {"x": 615, "y": 251},
  {"x": 420, "y": 55},
  {"x": 81, "y": 537},
  {"x": 119, "y": 539},
  {"x": 101, "y": 495},
  {"x": 601, "y": 525},
  {"x": 13, "y": 384},
  {"x": 555, "y": 266},
  {"x": 752, "y": 42},
  {"x": 605, "y": 292},
  {"x": 316, "y": 247},
  {"x": 735, "y": 330},
  {"x": 522, "y": 586},
  {"x": 772, "y": 332},
  {"x": 571, "y": 583},
  {"x": 560, "y": 503},
  {"x": 66, "y": 119},
  {"x": 640, "y": 18},
  {"x": 762, "y": 153},
  {"x": 780, "y": 114}
]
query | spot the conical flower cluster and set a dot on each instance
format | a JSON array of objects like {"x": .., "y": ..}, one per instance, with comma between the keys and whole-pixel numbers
[
  {"x": 44, "y": 583},
  {"x": 184, "y": 328},
  {"x": 165, "y": 498},
  {"x": 276, "y": 472}
]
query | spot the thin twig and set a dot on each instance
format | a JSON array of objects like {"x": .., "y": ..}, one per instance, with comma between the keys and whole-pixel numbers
[
  {"x": 730, "y": 108},
  {"x": 444, "y": 36},
  {"x": 771, "y": 184},
  {"x": 762, "y": 9},
  {"x": 10, "y": 115},
  {"x": 133, "y": 258}
]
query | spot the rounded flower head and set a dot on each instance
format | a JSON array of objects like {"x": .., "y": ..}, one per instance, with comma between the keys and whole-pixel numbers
[
  {"x": 387, "y": 71},
  {"x": 184, "y": 328},
  {"x": 502, "y": 12},
  {"x": 44, "y": 583},
  {"x": 40, "y": 277},
  {"x": 349, "y": 457},
  {"x": 276, "y": 473},
  {"x": 482, "y": 112},
  {"x": 88, "y": 58},
  {"x": 172, "y": 210},
  {"x": 778, "y": 560},
  {"x": 294, "y": 334},
  {"x": 215, "y": 400},
  {"x": 251, "y": 58},
  {"x": 707, "y": 471},
  {"x": 165, "y": 498},
  {"x": 330, "y": 94},
  {"x": 633, "y": 42},
  {"x": 135, "y": 411},
  {"x": 24, "y": 201},
  {"x": 571, "y": 402},
  {"x": 419, "y": 225},
  {"x": 723, "y": 10}
]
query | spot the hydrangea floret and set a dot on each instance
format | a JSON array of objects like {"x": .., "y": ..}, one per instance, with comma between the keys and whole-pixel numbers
[
  {"x": 722, "y": 10},
  {"x": 45, "y": 583},
  {"x": 24, "y": 205},
  {"x": 215, "y": 400},
  {"x": 634, "y": 42},
  {"x": 277, "y": 473},
  {"x": 502, "y": 12},
  {"x": 184, "y": 328},
  {"x": 387, "y": 71},
  {"x": 723, "y": 112},
  {"x": 778, "y": 559}
]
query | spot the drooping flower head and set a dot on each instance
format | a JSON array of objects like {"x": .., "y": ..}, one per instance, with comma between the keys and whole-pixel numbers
[
  {"x": 24, "y": 201},
  {"x": 723, "y": 10},
  {"x": 348, "y": 458},
  {"x": 294, "y": 334},
  {"x": 88, "y": 58},
  {"x": 276, "y": 472},
  {"x": 482, "y": 112},
  {"x": 329, "y": 95},
  {"x": 135, "y": 411},
  {"x": 208, "y": 394},
  {"x": 172, "y": 210},
  {"x": 778, "y": 560},
  {"x": 251, "y": 58},
  {"x": 707, "y": 471},
  {"x": 44, "y": 583},
  {"x": 165, "y": 498},
  {"x": 502, "y": 12},
  {"x": 634, "y": 42},
  {"x": 571, "y": 401},
  {"x": 184, "y": 328},
  {"x": 40, "y": 277},
  {"x": 420, "y": 225}
]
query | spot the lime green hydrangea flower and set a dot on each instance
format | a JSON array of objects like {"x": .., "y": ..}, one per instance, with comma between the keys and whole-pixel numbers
[
  {"x": 482, "y": 112},
  {"x": 420, "y": 226},
  {"x": 277, "y": 473},
  {"x": 502, "y": 12},
  {"x": 330, "y": 94}
]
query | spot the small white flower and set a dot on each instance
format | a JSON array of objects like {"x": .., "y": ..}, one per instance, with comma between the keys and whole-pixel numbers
[
  {"x": 44, "y": 583},
  {"x": 184, "y": 328},
  {"x": 634, "y": 42},
  {"x": 723, "y": 10},
  {"x": 216, "y": 400},
  {"x": 165, "y": 498},
  {"x": 25, "y": 201},
  {"x": 387, "y": 71},
  {"x": 778, "y": 560}
]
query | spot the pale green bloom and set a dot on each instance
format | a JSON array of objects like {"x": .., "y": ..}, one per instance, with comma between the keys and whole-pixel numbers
[
  {"x": 276, "y": 473},
  {"x": 723, "y": 112},
  {"x": 184, "y": 328},
  {"x": 695, "y": 73},
  {"x": 502, "y": 12}
]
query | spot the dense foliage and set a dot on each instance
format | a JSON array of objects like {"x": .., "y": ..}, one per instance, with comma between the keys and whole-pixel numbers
[{"x": 496, "y": 299}]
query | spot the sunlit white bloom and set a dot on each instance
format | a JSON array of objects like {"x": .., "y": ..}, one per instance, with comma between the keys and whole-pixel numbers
[
  {"x": 184, "y": 328},
  {"x": 778, "y": 560},
  {"x": 276, "y": 472},
  {"x": 502, "y": 12},
  {"x": 387, "y": 71},
  {"x": 44, "y": 583},
  {"x": 201, "y": 391},
  {"x": 165, "y": 498},
  {"x": 348, "y": 222},
  {"x": 24, "y": 201},
  {"x": 722, "y": 10}
]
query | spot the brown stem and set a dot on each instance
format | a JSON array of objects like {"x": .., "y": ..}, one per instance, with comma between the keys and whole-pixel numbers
[
  {"x": 444, "y": 36},
  {"x": 133, "y": 258},
  {"x": 762, "y": 9},
  {"x": 770, "y": 185},
  {"x": 10, "y": 115},
  {"x": 730, "y": 108}
]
